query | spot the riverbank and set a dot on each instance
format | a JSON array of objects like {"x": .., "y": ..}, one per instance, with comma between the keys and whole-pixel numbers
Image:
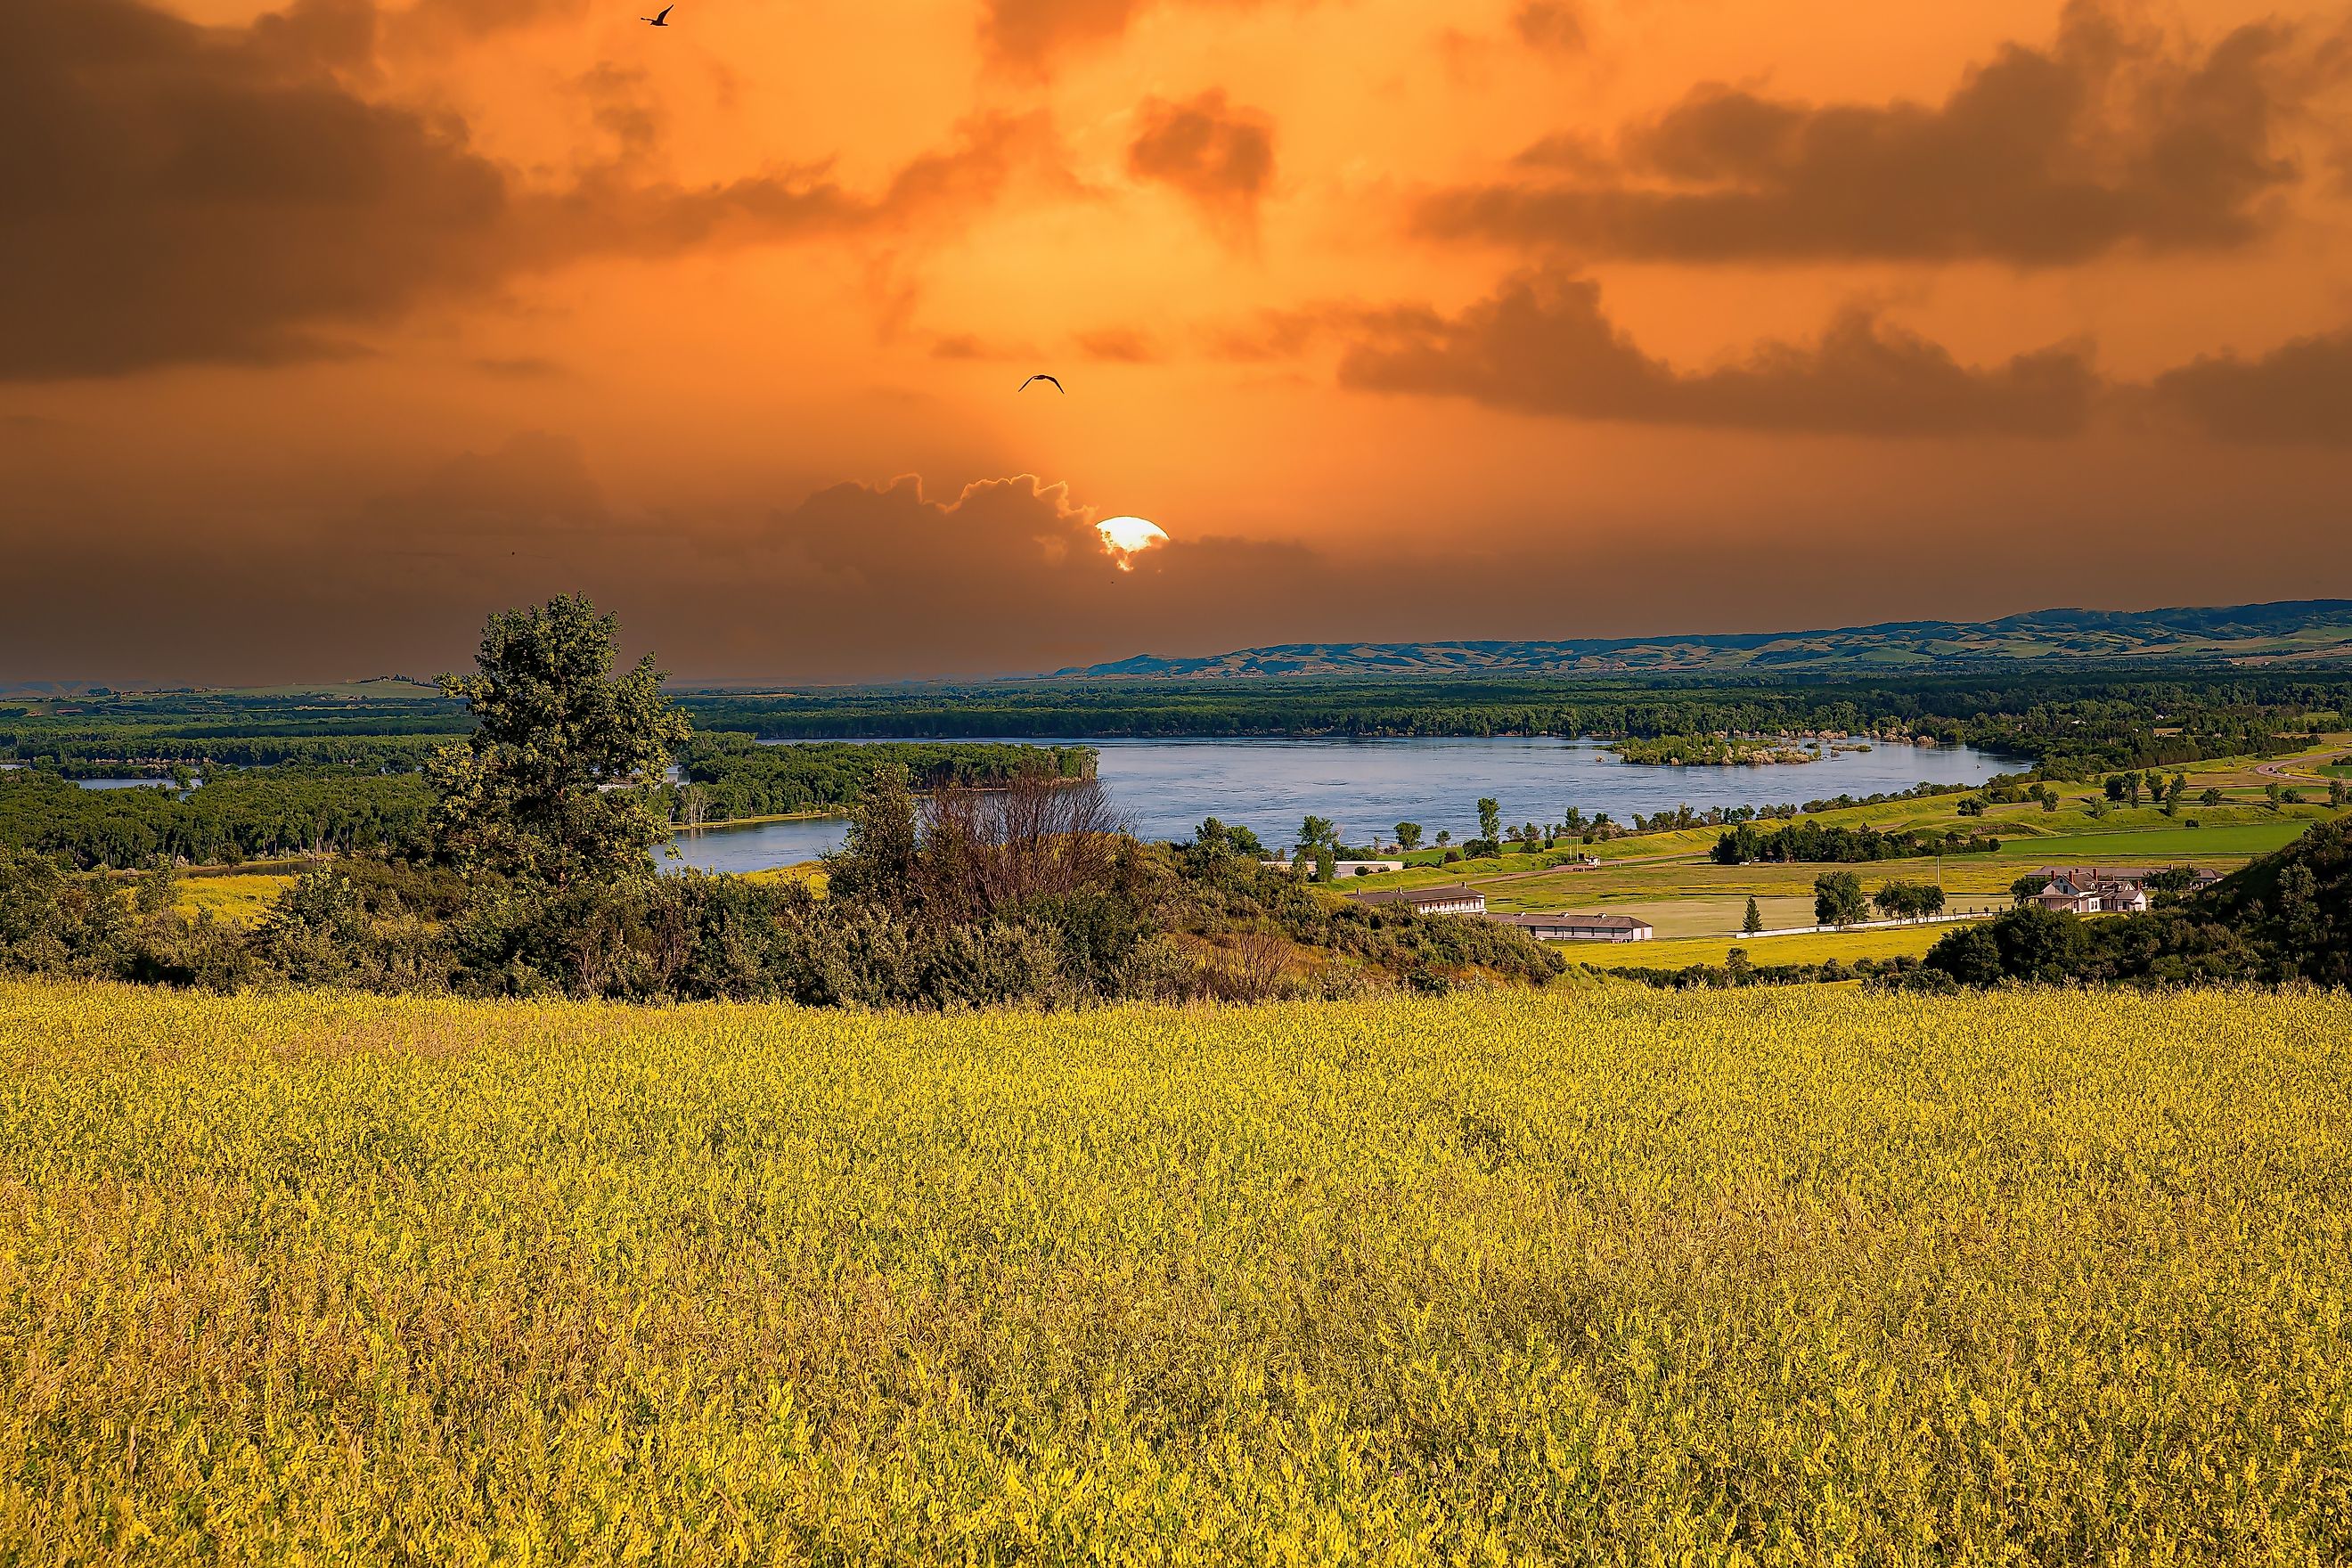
[{"x": 731, "y": 822}]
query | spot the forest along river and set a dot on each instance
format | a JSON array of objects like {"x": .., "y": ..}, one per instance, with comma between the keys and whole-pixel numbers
[{"x": 1164, "y": 788}]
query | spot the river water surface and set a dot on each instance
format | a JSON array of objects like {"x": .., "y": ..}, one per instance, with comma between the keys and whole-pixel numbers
[{"x": 1163, "y": 788}]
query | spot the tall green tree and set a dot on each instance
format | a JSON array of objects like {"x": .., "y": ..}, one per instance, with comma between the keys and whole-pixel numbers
[
  {"x": 1754, "y": 920},
  {"x": 1408, "y": 835},
  {"x": 878, "y": 864},
  {"x": 527, "y": 796},
  {"x": 1490, "y": 819}
]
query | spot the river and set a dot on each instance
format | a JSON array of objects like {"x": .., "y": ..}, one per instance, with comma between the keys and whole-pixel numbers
[{"x": 1163, "y": 788}]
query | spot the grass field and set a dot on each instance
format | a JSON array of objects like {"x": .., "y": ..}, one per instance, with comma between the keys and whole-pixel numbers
[
  {"x": 1754, "y": 1278},
  {"x": 1894, "y": 941},
  {"x": 239, "y": 899},
  {"x": 2164, "y": 846}
]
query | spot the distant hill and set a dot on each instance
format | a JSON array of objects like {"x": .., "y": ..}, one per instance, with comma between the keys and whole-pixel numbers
[{"x": 2309, "y": 631}]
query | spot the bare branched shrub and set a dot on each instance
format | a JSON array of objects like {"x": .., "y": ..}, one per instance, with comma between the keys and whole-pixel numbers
[
  {"x": 986, "y": 852},
  {"x": 1254, "y": 966}
]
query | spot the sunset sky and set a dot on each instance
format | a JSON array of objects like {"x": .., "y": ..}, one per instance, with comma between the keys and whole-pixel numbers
[{"x": 328, "y": 329}]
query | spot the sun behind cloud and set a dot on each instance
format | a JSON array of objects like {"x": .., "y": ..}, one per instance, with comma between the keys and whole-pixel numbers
[{"x": 1128, "y": 537}]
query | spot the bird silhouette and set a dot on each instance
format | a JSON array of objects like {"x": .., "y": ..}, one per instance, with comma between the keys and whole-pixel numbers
[
  {"x": 1056, "y": 380},
  {"x": 660, "y": 21}
]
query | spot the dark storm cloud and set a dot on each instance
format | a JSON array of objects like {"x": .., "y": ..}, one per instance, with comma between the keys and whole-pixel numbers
[
  {"x": 2301, "y": 392},
  {"x": 1541, "y": 344},
  {"x": 174, "y": 194},
  {"x": 1219, "y": 156},
  {"x": 2109, "y": 138}
]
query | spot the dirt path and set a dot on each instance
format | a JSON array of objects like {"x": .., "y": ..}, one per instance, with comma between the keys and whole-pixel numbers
[{"x": 2283, "y": 768}]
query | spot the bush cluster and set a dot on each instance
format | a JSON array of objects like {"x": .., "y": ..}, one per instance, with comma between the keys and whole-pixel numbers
[{"x": 2286, "y": 917}]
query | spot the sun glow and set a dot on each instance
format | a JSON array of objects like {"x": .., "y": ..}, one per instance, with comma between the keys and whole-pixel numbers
[{"x": 1125, "y": 537}]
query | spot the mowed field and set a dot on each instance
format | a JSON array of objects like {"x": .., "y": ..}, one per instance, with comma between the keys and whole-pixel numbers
[
  {"x": 1787, "y": 1276},
  {"x": 1818, "y": 947}
]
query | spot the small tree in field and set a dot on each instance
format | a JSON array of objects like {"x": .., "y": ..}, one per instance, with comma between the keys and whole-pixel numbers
[
  {"x": 1408, "y": 836},
  {"x": 1838, "y": 900},
  {"x": 1754, "y": 920},
  {"x": 1490, "y": 820},
  {"x": 525, "y": 796}
]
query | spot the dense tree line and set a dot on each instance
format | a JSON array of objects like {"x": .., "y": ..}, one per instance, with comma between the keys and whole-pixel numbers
[
  {"x": 237, "y": 816},
  {"x": 114, "y": 755},
  {"x": 383, "y": 728},
  {"x": 731, "y": 776},
  {"x": 2072, "y": 726},
  {"x": 1810, "y": 842}
]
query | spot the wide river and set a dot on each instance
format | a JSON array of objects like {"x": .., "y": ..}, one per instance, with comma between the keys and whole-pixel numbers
[{"x": 1163, "y": 788}]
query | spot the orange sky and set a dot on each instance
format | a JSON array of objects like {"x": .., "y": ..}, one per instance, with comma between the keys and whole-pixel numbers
[{"x": 331, "y": 328}]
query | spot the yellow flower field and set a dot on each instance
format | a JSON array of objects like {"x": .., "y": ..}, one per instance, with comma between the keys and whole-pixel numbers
[
  {"x": 1813, "y": 947},
  {"x": 1618, "y": 1276}
]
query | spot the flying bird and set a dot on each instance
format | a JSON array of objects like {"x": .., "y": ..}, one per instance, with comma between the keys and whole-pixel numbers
[
  {"x": 1055, "y": 380},
  {"x": 660, "y": 21}
]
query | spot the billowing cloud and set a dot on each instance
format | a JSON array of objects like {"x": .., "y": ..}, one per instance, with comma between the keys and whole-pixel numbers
[
  {"x": 1029, "y": 37},
  {"x": 1120, "y": 345},
  {"x": 426, "y": 23},
  {"x": 533, "y": 486},
  {"x": 2299, "y": 393},
  {"x": 1217, "y": 156},
  {"x": 2107, "y": 138},
  {"x": 1030, "y": 32},
  {"x": 1541, "y": 344},
  {"x": 171, "y": 193},
  {"x": 1555, "y": 26}
]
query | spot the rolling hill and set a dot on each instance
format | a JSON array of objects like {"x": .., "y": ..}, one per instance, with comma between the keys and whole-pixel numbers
[{"x": 2311, "y": 631}]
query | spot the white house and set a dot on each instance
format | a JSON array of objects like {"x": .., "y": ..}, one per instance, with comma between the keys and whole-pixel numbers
[
  {"x": 1451, "y": 900},
  {"x": 1581, "y": 928}
]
